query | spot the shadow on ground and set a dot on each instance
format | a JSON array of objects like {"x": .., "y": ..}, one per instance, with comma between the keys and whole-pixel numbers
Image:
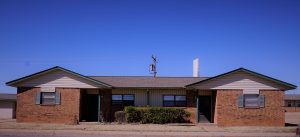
[{"x": 290, "y": 125}]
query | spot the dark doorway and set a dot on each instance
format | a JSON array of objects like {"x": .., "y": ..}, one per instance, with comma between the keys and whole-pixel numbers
[
  {"x": 205, "y": 109},
  {"x": 89, "y": 107}
]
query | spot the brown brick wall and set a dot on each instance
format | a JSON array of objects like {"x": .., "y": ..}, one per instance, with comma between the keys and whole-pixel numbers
[
  {"x": 292, "y": 109},
  {"x": 193, "y": 112},
  {"x": 228, "y": 113},
  {"x": 191, "y": 98},
  {"x": 67, "y": 112}
]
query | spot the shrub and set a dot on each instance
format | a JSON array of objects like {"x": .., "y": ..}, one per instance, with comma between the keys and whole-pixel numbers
[
  {"x": 156, "y": 115},
  {"x": 132, "y": 114},
  {"x": 120, "y": 116}
]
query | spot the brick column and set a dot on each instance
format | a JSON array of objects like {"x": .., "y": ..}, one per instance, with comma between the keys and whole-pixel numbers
[
  {"x": 191, "y": 104},
  {"x": 105, "y": 104}
]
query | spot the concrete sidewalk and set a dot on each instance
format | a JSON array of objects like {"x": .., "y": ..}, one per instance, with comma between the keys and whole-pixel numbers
[
  {"x": 79, "y": 133},
  {"x": 10, "y": 126}
]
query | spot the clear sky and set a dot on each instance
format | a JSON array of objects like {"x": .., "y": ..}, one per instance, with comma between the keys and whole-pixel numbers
[{"x": 118, "y": 37}]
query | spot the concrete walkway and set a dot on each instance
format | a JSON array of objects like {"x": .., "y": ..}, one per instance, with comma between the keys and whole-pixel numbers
[
  {"x": 9, "y": 128},
  {"x": 142, "y": 127},
  {"x": 79, "y": 133}
]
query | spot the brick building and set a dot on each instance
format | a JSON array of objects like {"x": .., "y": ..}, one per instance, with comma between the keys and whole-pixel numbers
[
  {"x": 7, "y": 106},
  {"x": 237, "y": 98},
  {"x": 292, "y": 102}
]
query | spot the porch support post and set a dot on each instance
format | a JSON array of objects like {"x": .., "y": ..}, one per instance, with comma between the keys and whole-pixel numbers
[
  {"x": 99, "y": 106},
  {"x": 148, "y": 98},
  {"x": 197, "y": 110}
]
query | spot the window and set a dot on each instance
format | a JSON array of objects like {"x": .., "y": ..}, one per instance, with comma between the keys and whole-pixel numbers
[
  {"x": 128, "y": 100},
  {"x": 47, "y": 98},
  {"x": 289, "y": 103},
  {"x": 123, "y": 100},
  {"x": 180, "y": 101},
  {"x": 117, "y": 100},
  {"x": 251, "y": 100},
  {"x": 169, "y": 101},
  {"x": 298, "y": 103},
  {"x": 174, "y": 101}
]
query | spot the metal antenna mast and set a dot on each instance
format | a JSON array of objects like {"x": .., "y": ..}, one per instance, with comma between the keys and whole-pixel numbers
[{"x": 153, "y": 66}]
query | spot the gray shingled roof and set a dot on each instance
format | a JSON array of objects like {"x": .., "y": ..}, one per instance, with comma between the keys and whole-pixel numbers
[
  {"x": 292, "y": 97},
  {"x": 4, "y": 96},
  {"x": 147, "y": 81}
]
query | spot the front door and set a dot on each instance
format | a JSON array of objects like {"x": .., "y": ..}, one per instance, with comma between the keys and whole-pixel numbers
[
  {"x": 89, "y": 108},
  {"x": 204, "y": 109}
]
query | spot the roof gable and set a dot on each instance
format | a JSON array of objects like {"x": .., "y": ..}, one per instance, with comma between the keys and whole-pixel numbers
[
  {"x": 56, "y": 69},
  {"x": 280, "y": 84}
]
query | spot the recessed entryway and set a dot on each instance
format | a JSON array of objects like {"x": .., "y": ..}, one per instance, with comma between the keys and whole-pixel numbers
[
  {"x": 89, "y": 107},
  {"x": 206, "y": 105}
]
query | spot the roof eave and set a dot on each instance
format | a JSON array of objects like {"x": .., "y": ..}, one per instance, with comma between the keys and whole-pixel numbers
[
  {"x": 149, "y": 87},
  {"x": 287, "y": 85},
  {"x": 14, "y": 82},
  {"x": 8, "y": 99}
]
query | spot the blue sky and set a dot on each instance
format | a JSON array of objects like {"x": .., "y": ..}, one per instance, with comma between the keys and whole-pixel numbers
[{"x": 118, "y": 37}]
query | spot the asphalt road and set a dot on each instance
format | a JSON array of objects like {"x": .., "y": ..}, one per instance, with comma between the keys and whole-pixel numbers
[{"x": 76, "y": 133}]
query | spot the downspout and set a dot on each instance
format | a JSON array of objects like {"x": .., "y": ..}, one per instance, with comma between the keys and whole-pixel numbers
[{"x": 148, "y": 98}]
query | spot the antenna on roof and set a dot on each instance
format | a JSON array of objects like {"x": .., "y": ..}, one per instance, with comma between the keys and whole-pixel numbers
[{"x": 153, "y": 66}]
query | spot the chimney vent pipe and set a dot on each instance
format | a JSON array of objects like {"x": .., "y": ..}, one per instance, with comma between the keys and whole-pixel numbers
[{"x": 196, "y": 67}]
